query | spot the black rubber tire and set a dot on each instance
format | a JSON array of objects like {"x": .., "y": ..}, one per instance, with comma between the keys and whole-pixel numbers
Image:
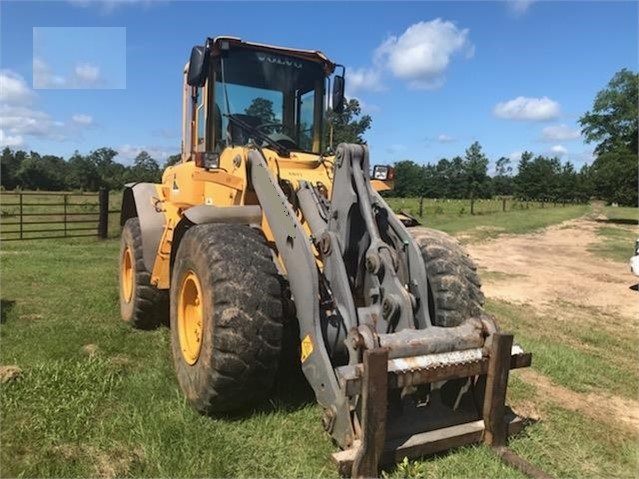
[
  {"x": 148, "y": 306},
  {"x": 242, "y": 317},
  {"x": 453, "y": 281}
]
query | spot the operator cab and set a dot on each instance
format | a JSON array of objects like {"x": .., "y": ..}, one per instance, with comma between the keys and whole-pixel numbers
[{"x": 238, "y": 93}]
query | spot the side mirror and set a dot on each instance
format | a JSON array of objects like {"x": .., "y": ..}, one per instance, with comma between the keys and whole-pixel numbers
[
  {"x": 198, "y": 67},
  {"x": 338, "y": 94}
]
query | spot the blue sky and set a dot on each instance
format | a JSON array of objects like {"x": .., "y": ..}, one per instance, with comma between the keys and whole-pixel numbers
[
  {"x": 434, "y": 76},
  {"x": 68, "y": 57}
]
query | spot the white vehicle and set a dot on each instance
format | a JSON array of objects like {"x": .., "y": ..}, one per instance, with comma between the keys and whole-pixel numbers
[{"x": 634, "y": 261}]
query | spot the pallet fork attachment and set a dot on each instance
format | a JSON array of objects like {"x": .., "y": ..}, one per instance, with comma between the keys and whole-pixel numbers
[{"x": 496, "y": 423}]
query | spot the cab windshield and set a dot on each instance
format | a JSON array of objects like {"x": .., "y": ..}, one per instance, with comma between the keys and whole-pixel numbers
[{"x": 271, "y": 95}]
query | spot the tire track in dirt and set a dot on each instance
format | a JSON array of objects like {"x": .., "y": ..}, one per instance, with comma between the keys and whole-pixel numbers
[{"x": 597, "y": 406}]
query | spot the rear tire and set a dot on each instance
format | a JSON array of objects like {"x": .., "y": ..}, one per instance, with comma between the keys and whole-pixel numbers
[
  {"x": 453, "y": 281},
  {"x": 142, "y": 305},
  {"x": 226, "y": 317}
]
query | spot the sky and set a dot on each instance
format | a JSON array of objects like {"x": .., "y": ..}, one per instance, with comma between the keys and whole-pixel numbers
[{"x": 514, "y": 75}]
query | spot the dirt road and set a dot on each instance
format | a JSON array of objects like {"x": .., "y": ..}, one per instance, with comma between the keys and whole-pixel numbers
[
  {"x": 551, "y": 270},
  {"x": 554, "y": 265}
]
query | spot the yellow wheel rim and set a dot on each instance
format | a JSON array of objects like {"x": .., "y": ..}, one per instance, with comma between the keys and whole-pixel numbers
[
  {"x": 127, "y": 275},
  {"x": 189, "y": 318}
]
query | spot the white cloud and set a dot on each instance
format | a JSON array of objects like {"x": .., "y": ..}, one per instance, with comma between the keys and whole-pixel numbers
[
  {"x": 359, "y": 79},
  {"x": 524, "y": 108},
  {"x": 87, "y": 73},
  {"x": 586, "y": 156},
  {"x": 558, "y": 150},
  {"x": 82, "y": 119},
  {"x": 13, "y": 89},
  {"x": 560, "y": 133},
  {"x": 10, "y": 141},
  {"x": 158, "y": 153},
  {"x": 444, "y": 138},
  {"x": 20, "y": 120},
  {"x": 519, "y": 7},
  {"x": 43, "y": 77},
  {"x": 515, "y": 155},
  {"x": 423, "y": 52},
  {"x": 84, "y": 75}
]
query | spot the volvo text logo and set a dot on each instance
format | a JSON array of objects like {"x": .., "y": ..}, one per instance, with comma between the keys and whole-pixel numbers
[{"x": 280, "y": 61}]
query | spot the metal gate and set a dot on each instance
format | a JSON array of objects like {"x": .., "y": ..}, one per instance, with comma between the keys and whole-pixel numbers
[{"x": 36, "y": 215}]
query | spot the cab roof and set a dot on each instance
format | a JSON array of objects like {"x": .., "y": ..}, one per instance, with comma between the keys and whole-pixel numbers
[{"x": 215, "y": 44}]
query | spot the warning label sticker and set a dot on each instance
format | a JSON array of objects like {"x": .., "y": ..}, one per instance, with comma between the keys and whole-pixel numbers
[{"x": 307, "y": 347}]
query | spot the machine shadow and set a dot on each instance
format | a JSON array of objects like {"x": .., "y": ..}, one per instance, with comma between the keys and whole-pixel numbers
[
  {"x": 290, "y": 392},
  {"x": 6, "y": 306},
  {"x": 618, "y": 221}
]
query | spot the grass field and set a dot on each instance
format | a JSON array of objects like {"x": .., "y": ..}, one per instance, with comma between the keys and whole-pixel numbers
[
  {"x": 434, "y": 207},
  {"x": 97, "y": 399},
  {"x": 618, "y": 233},
  {"x": 43, "y": 210}
]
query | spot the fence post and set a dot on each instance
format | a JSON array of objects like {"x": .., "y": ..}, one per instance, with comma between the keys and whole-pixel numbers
[
  {"x": 503, "y": 204},
  {"x": 103, "y": 221},
  {"x": 421, "y": 206},
  {"x": 65, "y": 214},
  {"x": 21, "y": 216}
]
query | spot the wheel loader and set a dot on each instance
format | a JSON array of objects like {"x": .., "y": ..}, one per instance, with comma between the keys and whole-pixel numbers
[{"x": 263, "y": 232}]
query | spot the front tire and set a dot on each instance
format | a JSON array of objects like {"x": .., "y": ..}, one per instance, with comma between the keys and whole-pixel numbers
[
  {"x": 453, "y": 282},
  {"x": 142, "y": 305},
  {"x": 226, "y": 317}
]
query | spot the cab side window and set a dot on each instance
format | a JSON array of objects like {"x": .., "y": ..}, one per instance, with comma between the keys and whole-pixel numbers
[{"x": 201, "y": 118}]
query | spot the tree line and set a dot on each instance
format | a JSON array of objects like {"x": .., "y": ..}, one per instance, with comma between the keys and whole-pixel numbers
[
  {"x": 98, "y": 169},
  {"x": 612, "y": 125},
  {"x": 613, "y": 176},
  {"x": 539, "y": 178}
]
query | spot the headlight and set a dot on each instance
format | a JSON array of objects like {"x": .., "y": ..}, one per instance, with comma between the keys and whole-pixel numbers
[
  {"x": 383, "y": 172},
  {"x": 207, "y": 160}
]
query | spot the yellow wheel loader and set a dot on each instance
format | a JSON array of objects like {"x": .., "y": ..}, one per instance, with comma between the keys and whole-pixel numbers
[{"x": 261, "y": 230}]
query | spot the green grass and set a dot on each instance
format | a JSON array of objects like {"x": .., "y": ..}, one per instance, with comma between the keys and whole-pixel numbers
[
  {"x": 490, "y": 222},
  {"x": 572, "y": 445},
  {"x": 115, "y": 409},
  {"x": 452, "y": 216},
  {"x": 562, "y": 443},
  {"x": 482, "y": 227},
  {"x": 497, "y": 275},
  {"x": 73, "y": 414},
  {"x": 582, "y": 352},
  {"x": 622, "y": 214},
  {"x": 436, "y": 207},
  {"x": 617, "y": 233},
  {"x": 615, "y": 243}
]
